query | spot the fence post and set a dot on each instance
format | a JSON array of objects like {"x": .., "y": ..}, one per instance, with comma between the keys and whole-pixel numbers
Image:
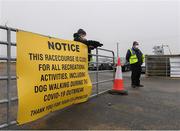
[
  {"x": 146, "y": 66},
  {"x": 166, "y": 65},
  {"x": 97, "y": 69},
  {"x": 114, "y": 66},
  {"x": 8, "y": 73}
]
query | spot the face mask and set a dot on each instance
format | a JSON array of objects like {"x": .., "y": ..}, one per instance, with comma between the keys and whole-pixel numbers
[
  {"x": 137, "y": 47},
  {"x": 83, "y": 36}
]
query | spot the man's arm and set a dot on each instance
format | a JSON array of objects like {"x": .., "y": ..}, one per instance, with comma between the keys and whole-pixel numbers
[
  {"x": 142, "y": 56},
  {"x": 140, "y": 52},
  {"x": 94, "y": 44},
  {"x": 128, "y": 55}
]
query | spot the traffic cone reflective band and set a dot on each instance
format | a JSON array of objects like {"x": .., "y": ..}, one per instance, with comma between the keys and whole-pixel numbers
[
  {"x": 118, "y": 86},
  {"x": 118, "y": 82}
]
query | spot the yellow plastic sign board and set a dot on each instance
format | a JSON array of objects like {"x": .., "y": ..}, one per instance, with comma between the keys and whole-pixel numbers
[{"x": 51, "y": 74}]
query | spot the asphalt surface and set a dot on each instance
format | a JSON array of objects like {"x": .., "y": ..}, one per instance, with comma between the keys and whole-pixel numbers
[{"x": 154, "y": 106}]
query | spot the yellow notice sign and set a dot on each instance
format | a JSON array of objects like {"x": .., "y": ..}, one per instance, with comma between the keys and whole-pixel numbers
[{"x": 51, "y": 74}]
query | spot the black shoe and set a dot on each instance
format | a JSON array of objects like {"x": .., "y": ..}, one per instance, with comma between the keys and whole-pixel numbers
[
  {"x": 133, "y": 86},
  {"x": 139, "y": 85}
]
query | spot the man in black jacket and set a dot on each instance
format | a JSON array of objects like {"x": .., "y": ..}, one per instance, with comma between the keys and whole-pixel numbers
[
  {"x": 80, "y": 37},
  {"x": 135, "y": 57}
]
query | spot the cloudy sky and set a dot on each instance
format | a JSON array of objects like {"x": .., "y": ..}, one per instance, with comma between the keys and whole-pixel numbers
[{"x": 151, "y": 22}]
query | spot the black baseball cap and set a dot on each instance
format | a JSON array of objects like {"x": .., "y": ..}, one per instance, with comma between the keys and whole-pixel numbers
[
  {"x": 135, "y": 43},
  {"x": 81, "y": 31}
]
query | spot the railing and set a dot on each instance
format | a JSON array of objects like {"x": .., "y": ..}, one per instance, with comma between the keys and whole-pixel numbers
[
  {"x": 97, "y": 72},
  {"x": 9, "y": 79},
  {"x": 163, "y": 65}
]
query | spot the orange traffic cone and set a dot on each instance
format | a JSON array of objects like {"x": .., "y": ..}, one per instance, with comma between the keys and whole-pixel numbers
[{"x": 118, "y": 87}]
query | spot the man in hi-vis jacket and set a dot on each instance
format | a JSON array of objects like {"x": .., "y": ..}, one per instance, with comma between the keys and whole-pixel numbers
[{"x": 136, "y": 58}]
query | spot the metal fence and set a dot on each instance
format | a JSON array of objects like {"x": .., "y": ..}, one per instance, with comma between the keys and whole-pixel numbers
[
  {"x": 98, "y": 78},
  {"x": 8, "y": 78},
  {"x": 6, "y": 102},
  {"x": 163, "y": 65}
]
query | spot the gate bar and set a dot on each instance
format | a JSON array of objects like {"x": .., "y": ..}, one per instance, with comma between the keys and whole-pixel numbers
[{"x": 6, "y": 43}]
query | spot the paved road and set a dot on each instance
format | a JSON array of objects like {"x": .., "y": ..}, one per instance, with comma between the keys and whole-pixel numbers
[{"x": 155, "y": 106}]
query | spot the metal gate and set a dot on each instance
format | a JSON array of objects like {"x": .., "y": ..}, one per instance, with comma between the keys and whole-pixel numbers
[
  {"x": 163, "y": 65},
  {"x": 9, "y": 101}
]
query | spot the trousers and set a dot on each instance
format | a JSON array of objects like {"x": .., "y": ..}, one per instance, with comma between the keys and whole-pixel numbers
[{"x": 136, "y": 74}]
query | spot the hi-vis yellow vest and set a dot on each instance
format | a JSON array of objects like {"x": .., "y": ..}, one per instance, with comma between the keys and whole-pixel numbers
[{"x": 133, "y": 58}]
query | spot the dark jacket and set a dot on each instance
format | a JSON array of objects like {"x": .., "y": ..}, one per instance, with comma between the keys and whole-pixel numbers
[
  {"x": 78, "y": 38},
  {"x": 138, "y": 54}
]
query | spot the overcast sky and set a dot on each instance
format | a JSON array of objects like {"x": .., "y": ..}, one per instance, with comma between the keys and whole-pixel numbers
[{"x": 151, "y": 22}]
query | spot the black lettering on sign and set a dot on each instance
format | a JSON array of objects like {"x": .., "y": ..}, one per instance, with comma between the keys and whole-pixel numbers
[
  {"x": 37, "y": 111},
  {"x": 85, "y": 81},
  {"x": 52, "y": 77},
  {"x": 44, "y": 67},
  {"x": 64, "y": 85},
  {"x": 63, "y": 46},
  {"x": 49, "y": 107},
  {"x": 74, "y": 91},
  {"x": 54, "y": 86},
  {"x": 35, "y": 56},
  {"x": 73, "y": 66},
  {"x": 40, "y": 88},
  {"x": 48, "y": 57},
  {"x": 76, "y": 83},
  {"x": 50, "y": 97},
  {"x": 57, "y": 86},
  {"x": 55, "y": 67},
  {"x": 57, "y": 104},
  {"x": 77, "y": 75},
  {"x": 82, "y": 59},
  {"x": 63, "y": 93}
]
